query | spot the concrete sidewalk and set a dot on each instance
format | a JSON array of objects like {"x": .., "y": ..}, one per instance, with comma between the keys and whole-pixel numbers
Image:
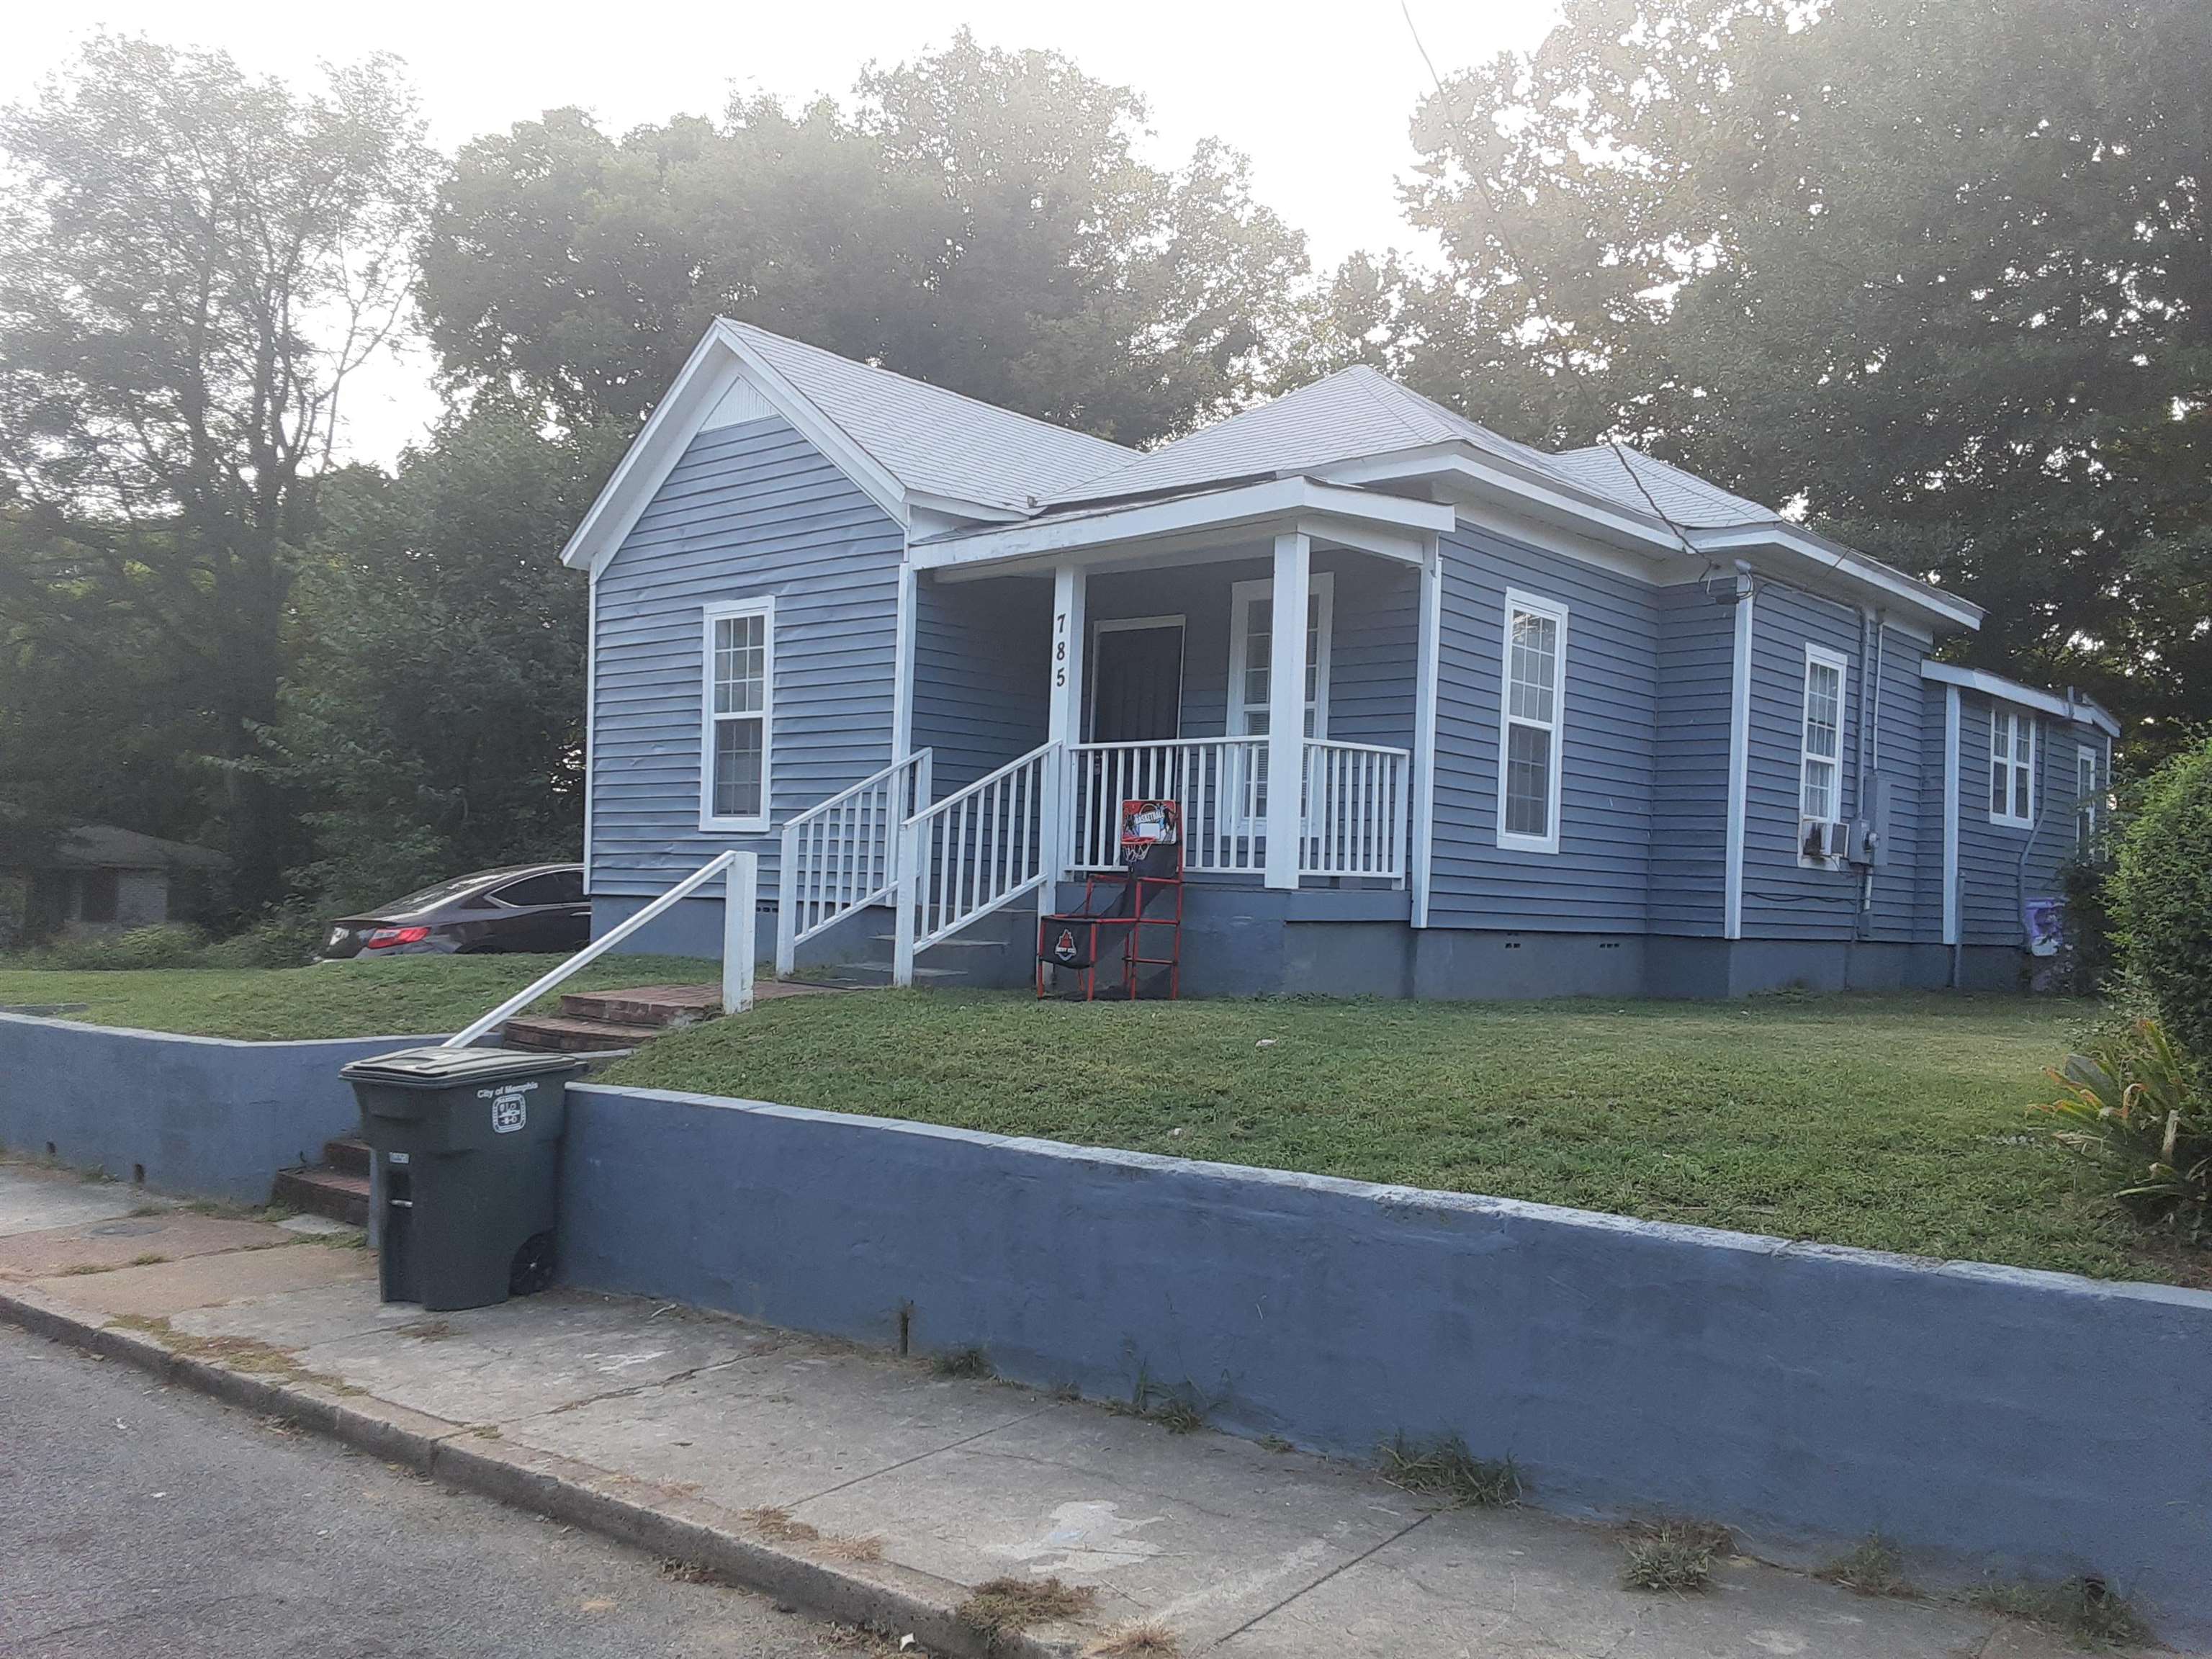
[{"x": 873, "y": 1489}]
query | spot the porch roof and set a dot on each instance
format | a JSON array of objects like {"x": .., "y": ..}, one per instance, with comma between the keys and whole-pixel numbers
[{"x": 1389, "y": 526}]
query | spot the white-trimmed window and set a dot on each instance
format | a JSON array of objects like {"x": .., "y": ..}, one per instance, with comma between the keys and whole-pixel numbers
[
  {"x": 1821, "y": 762},
  {"x": 1532, "y": 681},
  {"x": 736, "y": 715},
  {"x": 2012, "y": 767},
  {"x": 2089, "y": 799},
  {"x": 1251, "y": 661}
]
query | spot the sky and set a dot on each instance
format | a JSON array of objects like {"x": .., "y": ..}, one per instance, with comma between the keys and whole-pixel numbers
[{"x": 1320, "y": 96}]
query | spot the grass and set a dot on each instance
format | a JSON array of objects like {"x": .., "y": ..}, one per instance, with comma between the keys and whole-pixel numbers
[
  {"x": 1875, "y": 1567},
  {"x": 1445, "y": 1471},
  {"x": 1673, "y": 1557},
  {"x": 1892, "y": 1122},
  {"x": 2083, "y": 1610},
  {"x": 1003, "y": 1608},
  {"x": 405, "y": 996}
]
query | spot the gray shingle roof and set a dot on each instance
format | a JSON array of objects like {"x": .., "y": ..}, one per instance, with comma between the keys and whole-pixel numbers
[
  {"x": 936, "y": 441},
  {"x": 1353, "y": 412},
  {"x": 1684, "y": 497},
  {"x": 104, "y": 846}
]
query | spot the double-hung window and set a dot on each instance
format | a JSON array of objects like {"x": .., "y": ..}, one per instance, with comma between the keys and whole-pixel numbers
[
  {"x": 2088, "y": 800},
  {"x": 1531, "y": 722},
  {"x": 738, "y": 711},
  {"x": 1251, "y": 657},
  {"x": 2012, "y": 767},
  {"x": 1820, "y": 764}
]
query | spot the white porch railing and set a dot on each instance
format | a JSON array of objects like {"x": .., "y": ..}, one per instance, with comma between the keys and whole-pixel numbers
[
  {"x": 740, "y": 900},
  {"x": 842, "y": 854},
  {"x": 1356, "y": 811},
  {"x": 975, "y": 851},
  {"x": 1214, "y": 780}
]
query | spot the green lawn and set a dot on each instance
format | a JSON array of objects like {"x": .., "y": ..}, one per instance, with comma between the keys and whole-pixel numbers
[
  {"x": 406, "y": 996},
  {"x": 1895, "y": 1122}
]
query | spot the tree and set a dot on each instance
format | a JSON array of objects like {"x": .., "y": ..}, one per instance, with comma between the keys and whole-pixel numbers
[
  {"x": 1941, "y": 268},
  {"x": 435, "y": 717},
  {"x": 192, "y": 263},
  {"x": 977, "y": 218}
]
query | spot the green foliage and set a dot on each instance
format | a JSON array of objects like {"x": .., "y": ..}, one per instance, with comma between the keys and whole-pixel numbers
[
  {"x": 976, "y": 218},
  {"x": 1932, "y": 263},
  {"x": 2087, "y": 1610},
  {"x": 2089, "y": 955},
  {"x": 1677, "y": 1556},
  {"x": 172, "y": 945},
  {"x": 2162, "y": 894},
  {"x": 1874, "y": 1566},
  {"x": 2135, "y": 1109},
  {"x": 1445, "y": 1470},
  {"x": 193, "y": 262}
]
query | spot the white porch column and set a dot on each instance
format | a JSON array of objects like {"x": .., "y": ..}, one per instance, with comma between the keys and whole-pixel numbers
[
  {"x": 1286, "y": 708},
  {"x": 1063, "y": 725}
]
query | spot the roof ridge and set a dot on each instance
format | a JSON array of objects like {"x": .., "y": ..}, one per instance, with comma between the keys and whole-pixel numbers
[
  {"x": 931, "y": 386},
  {"x": 1366, "y": 383}
]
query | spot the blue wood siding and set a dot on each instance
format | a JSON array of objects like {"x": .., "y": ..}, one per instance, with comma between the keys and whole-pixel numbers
[
  {"x": 1596, "y": 882},
  {"x": 1689, "y": 789},
  {"x": 1992, "y": 879},
  {"x": 749, "y": 509},
  {"x": 1375, "y": 633},
  {"x": 982, "y": 650},
  {"x": 1906, "y": 747},
  {"x": 1783, "y": 899}
]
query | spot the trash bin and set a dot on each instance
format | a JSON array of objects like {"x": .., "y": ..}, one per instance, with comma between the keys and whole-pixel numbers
[{"x": 467, "y": 1145}]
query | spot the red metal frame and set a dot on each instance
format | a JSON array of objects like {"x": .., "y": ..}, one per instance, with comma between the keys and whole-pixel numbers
[{"x": 1075, "y": 940}]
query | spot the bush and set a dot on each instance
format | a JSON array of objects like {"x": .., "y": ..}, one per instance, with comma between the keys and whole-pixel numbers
[
  {"x": 2162, "y": 895},
  {"x": 172, "y": 945},
  {"x": 2133, "y": 1107},
  {"x": 284, "y": 938},
  {"x": 2088, "y": 956}
]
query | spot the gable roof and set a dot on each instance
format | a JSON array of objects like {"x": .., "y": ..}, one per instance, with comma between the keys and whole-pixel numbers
[
  {"x": 107, "y": 846},
  {"x": 1643, "y": 482},
  {"x": 1355, "y": 412},
  {"x": 933, "y": 441}
]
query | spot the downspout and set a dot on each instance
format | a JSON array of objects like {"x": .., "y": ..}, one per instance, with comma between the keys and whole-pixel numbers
[
  {"x": 1869, "y": 743},
  {"x": 2035, "y": 827}
]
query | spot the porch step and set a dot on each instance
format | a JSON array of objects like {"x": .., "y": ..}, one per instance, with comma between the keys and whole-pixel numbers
[
  {"x": 658, "y": 1005},
  {"x": 319, "y": 1189},
  {"x": 347, "y": 1155},
  {"x": 873, "y": 975},
  {"x": 567, "y": 1034},
  {"x": 955, "y": 944}
]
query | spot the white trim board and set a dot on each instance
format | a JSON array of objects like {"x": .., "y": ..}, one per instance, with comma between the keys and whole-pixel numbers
[
  {"x": 1738, "y": 762},
  {"x": 1427, "y": 668},
  {"x": 1951, "y": 735},
  {"x": 716, "y": 610},
  {"x": 2080, "y": 710}
]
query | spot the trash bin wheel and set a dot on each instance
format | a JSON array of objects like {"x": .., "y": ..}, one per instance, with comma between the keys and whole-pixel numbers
[{"x": 532, "y": 1268}]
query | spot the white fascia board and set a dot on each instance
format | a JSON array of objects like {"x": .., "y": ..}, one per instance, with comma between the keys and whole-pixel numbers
[
  {"x": 1856, "y": 567},
  {"x": 1460, "y": 467},
  {"x": 2027, "y": 696},
  {"x": 718, "y": 361},
  {"x": 1391, "y": 520}
]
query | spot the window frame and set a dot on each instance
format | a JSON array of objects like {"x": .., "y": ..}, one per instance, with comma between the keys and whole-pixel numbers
[
  {"x": 764, "y": 606},
  {"x": 1821, "y": 656},
  {"x": 1518, "y": 603},
  {"x": 2089, "y": 804},
  {"x": 2021, "y": 719},
  {"x": 1321, "y": 584}
]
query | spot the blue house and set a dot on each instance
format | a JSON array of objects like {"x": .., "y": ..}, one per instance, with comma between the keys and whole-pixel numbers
[{"x": 1447, "y": 716}]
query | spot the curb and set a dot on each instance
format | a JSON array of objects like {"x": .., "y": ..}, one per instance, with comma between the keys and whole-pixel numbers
[{"x": 644, "y": 1514}]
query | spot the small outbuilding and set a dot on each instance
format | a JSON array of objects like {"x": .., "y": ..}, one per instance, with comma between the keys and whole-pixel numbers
[{"x": 98, "y": 878}]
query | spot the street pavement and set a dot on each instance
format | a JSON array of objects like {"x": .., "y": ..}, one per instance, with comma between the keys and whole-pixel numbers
[{"x": 139, "y": 1519}]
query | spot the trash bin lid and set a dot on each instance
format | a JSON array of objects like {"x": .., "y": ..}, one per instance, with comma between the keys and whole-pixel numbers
[{"x": 443, "y": 1068}]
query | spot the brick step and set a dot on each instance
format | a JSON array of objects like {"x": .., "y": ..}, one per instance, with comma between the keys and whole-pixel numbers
[
  {"x": 318, "y": 1190},
  {"x": 565, "y": 1035},
  {"x": 658, "y": 1005},
  {"x": 347, "y": 1156}
]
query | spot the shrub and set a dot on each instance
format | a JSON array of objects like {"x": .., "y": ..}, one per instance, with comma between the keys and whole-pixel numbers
[
  {"x": 172, "y": 945},
  {"x": 282, "y": 939},
  {"x": 2162, "y": 895},
  {"x": 2088, "y": 954},
  {"x": 2133, "y": 1107}
]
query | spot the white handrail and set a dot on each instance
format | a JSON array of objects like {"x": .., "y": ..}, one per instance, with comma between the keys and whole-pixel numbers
[
  {"x": 975, "y": 851},
  {"x": 1357, "y": 809},
  {"x": 842, "y": 854},
  {"x": 1212, "y": 779},
  {"x": 739, "y": 904}
]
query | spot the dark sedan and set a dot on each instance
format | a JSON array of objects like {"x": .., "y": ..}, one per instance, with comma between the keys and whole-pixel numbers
[{"x": 526, "y": 907}]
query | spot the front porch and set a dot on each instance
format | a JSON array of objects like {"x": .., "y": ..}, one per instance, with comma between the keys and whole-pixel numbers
[{"x": 1050, "y": 687}]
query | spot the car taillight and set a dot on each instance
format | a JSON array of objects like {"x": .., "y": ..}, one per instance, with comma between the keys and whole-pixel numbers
[{"x": 385, "y": 938}]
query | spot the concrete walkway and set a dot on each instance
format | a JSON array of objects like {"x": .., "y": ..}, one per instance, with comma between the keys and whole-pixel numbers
[{"x": 872, "y": 1488}]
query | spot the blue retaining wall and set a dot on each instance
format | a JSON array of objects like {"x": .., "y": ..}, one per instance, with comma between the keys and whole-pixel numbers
[
  {"x": 1988, "y": 1418},
  {"x": 208, "y": 1117}
]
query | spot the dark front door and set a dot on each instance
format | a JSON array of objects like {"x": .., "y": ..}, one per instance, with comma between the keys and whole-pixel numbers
[{"x": 1136, "y": 684}]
